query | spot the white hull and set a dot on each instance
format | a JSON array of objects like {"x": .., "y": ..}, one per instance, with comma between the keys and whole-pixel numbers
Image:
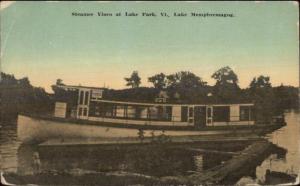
[{"x": 32, "y": 129}]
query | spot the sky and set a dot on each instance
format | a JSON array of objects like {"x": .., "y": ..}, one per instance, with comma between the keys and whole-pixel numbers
[{"x": 44, "y": 42}]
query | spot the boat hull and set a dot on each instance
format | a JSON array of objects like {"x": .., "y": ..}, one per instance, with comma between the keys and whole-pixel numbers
[{"x": 42, "y": 129}]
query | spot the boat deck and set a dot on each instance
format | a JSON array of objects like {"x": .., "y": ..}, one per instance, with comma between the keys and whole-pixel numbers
[{"x": 147, "y": 140}]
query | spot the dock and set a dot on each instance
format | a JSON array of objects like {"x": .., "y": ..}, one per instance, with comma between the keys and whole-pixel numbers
[
  {"x": 233, "y": 168},
  {"x": 253, "y": 151},
  {"x": 246, "y": 157}
]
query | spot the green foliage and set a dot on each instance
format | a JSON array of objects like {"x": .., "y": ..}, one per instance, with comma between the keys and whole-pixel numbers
[
  {"x": 286, "y": 98},
  {"x": 20, "y": 96},
  {"x": 225, "y": 75},
  {"x": 260, "y": 82},
  {"x": 184, "y": 79},
  {"x": 142, "y": 94},
  {"x": 134, "y": 80},
  {"x": 226, "y": 88},
  {"x": 24, "y": 82},
  {"x": 59, "y": 82},
  {"x": 265, "y": 103},
  {"x": 159, "y": 80},
  {"x": 7, "y": 79},
  {"x": 190, "y": 87}
]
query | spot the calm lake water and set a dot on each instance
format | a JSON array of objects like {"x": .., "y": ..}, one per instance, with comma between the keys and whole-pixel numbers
[{"x": 148, "y": 160}]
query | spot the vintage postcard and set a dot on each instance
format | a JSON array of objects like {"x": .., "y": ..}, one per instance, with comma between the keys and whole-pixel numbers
[{"x": 149, "y": 93}]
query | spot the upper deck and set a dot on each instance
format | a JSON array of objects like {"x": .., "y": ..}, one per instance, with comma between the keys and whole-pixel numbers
[{"x": 90, "y": 105}]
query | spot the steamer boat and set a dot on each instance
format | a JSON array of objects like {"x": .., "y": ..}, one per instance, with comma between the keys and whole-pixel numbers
[{"x": 89, "y": 115}]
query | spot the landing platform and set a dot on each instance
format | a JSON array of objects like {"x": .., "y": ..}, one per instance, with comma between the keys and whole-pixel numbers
[{"x": 149, "y": 140}]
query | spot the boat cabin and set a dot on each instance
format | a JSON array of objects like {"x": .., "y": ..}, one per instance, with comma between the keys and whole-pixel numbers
[{"x": 89, "y": 104}]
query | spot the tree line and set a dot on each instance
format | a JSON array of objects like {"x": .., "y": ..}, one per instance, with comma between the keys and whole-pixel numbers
[
  {"x": 18, "y": 95},
  {"x": 190, "y": 88}
]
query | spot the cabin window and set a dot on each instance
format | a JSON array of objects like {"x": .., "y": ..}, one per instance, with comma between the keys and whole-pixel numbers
[
  {"x": 97, "y": 111},
  {"x": 120, "y": 111},
  {"x": 221, "y": 113},
  {"x": 85, "y": 112},
  {"x": 107, "y": 110},
  {"x": 114, "y": 111},
  {"x": 80, "y": 112},
  {"x": 102, "y": 109},
  {"x": 191, "y": 112},
  {"x": 86, "y": 97},
  {"x": 125, "y": 111},
  {"x": 246, "y": 113},
  {"x": 169, "y": 113},
  {"x": 81, "y": 97},
  {"x": 131, "y": 112},
  {"x": 160, "y": 113},
  {"x": 184, "y": 113},
  {"x": 148, "y": 113},
  {"x": 209, "y": 112},
  {"x": 94, "y": 109}
]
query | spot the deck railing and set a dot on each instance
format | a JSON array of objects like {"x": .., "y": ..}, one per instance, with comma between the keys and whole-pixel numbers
[
  {"x": 234, "y": 119},
  {"x": 174, "y": 121}
]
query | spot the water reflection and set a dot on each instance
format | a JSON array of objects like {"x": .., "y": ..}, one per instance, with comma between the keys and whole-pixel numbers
[
  {"x": 8, "y": 147},
  {"x": 288, "y": 138},
  {"x": 158, "y": 161}
]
